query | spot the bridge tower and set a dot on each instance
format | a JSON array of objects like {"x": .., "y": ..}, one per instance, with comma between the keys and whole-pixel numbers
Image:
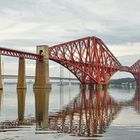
[{"x": 42, "y": 69}]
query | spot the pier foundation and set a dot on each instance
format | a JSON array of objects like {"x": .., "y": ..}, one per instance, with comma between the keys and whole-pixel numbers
[
  {"x": 90, "y": 86},
  {"x": 105, "y": 86},
  {"x": 21, "y": 83},
  {"x": 42, "y": 69}
]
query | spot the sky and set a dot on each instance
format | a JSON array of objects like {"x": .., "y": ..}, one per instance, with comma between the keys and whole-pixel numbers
[{"x": 24, "y": 24}]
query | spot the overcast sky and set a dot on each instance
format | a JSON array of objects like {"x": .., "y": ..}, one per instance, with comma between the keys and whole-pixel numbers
[{"x": 27, "y": 23}]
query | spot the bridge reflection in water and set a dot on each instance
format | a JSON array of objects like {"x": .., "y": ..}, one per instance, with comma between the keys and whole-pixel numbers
[
  {"x": 21, "y": 95},
  {"x": 89, "y": 114},
  {"x": 41, "y": 107},
  {"x": 1, "y": 96}
]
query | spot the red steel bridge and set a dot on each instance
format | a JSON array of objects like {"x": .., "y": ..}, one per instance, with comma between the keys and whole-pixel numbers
[{"x": 89, "y": 59}]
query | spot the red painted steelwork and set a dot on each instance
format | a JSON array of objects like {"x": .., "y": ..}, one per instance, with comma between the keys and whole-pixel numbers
[
  {"x": 135, "y": 70},
  {"x": 21, "y": 54},
  {"x": 88, "y": 59},
  {"x": 136, "y": 67}
]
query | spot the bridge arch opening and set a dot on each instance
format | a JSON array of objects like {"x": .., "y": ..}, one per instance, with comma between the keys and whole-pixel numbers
[
  {"x": 122, "y": 86},
  {"x": 58, "y": 70},
  {"x": 10, "y": 66},
  {"x": 123, "y": 78}
]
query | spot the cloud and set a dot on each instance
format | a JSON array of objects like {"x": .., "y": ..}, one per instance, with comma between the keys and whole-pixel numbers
[
  {"x": 125, "y": 49},
  {"x": 27, "y": 23},
  {"x": 115, "y": 22}
]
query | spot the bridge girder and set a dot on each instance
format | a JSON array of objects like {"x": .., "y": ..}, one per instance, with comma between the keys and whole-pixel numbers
[
  {"x": 88, "y": 59},
  {"x": 135, "y": 70}
]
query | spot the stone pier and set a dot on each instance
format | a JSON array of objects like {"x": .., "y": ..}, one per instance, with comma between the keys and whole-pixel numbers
[
  {"x": 90, "y": 86},
  {"x": 1, "y": 97},
  {"x": 82, "y": 86},
  {"x": 105, "y": 86},
  {"x": 42, "y": 69},
  {"x": 21, "y": 83}
]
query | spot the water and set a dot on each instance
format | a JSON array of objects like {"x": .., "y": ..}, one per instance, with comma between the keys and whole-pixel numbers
[{"x": 66, "y": 112}]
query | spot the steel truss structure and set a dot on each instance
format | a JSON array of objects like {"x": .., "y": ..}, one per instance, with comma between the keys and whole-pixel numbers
[
  {"x": 135, "y": 70},
  {"x": 20, "y": 54},
  {"x": 89, "y": 59}
]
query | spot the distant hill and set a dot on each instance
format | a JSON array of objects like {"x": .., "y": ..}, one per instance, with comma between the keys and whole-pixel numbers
[{"x": 122, "y": 81}]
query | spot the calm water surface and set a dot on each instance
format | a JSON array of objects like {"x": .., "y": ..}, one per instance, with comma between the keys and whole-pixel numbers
[{"x": 66, "y": 112}]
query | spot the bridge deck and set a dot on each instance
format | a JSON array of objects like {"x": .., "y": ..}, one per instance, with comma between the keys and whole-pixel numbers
[{"x": 21, "y": 54}]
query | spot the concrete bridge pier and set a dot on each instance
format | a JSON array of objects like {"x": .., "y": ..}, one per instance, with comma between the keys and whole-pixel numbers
[
  {"x": 94, "y": 86},
  {"x": 83, "y": 86},
  {"x": 21, "y": 83},
  {"x": 105, "y": 86},
  {"x": 1, "y": 83},
  {"x": 98, "y": 86},
  {"x": 90, "y": 86},
  {"x": 1, "y": 97},
  {"x": 42, "y": 69}
]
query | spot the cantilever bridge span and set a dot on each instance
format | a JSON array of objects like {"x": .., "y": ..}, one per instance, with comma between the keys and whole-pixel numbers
[{"x": 89, "y": 59}]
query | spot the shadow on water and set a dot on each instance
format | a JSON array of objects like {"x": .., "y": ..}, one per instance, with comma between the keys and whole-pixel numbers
[{"x": 88, "y": 115}]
